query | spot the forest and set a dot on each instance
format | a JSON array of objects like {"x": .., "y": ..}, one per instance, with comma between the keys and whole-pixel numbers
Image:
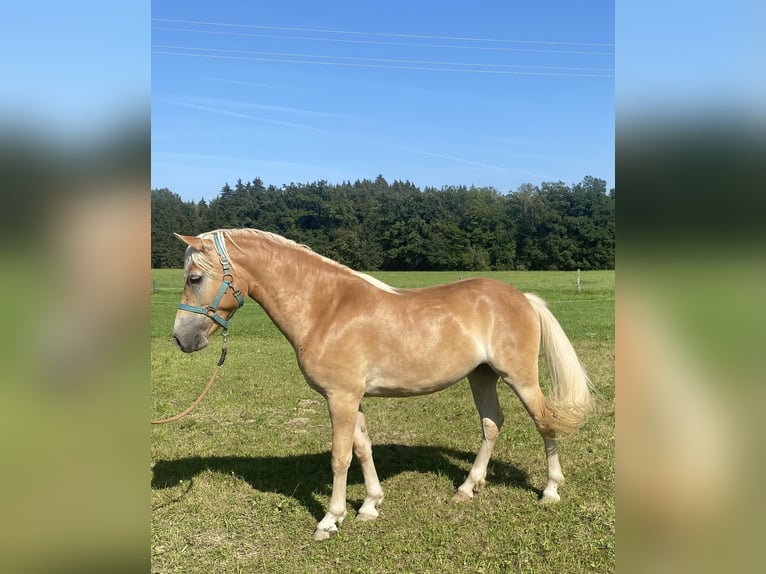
[{"x": 374, "y": 225}]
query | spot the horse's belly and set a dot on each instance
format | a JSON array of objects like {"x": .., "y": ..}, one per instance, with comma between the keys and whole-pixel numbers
[
  {"x": 390, "y": 388},
  {"x": 407, "y": 381}
]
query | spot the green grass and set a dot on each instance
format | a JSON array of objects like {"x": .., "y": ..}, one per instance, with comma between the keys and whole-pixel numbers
[{"x": 238, "y": 485}]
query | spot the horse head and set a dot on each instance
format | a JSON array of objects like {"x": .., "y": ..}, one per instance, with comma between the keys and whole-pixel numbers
[{"x": 210, "y": 298}]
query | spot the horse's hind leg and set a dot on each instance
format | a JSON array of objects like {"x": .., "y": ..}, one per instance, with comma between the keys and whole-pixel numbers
[
  {"x": 484, "y": 388},
  {"x": 534, "y": 402},
  {"x": 363, "y": 452}
]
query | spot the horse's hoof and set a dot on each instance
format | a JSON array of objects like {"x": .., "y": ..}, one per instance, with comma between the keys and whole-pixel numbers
[
  {"x": 365, "y": 516},
  {"x": 550, "y": 498},
  {"x": 323, "y": 534},
  {"x": 461, "y": 496}
]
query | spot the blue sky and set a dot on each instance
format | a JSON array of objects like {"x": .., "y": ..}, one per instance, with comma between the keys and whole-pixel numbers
[
  {"x": 491, "y": 93},
  {"x": 74, "y": 71}
]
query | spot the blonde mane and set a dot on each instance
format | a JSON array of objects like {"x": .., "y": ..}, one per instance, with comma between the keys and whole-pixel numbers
[
  {"x": 231, "y": 235},
  {"x": 200, "y": 259}
]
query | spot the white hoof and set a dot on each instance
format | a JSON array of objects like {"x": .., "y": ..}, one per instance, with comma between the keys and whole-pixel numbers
[
  {"x": 365, "y": 517},
  {"x": 550, "y": 498},
  {"x": 462, "y": 496},
  {"x": 324, "y": 534}
]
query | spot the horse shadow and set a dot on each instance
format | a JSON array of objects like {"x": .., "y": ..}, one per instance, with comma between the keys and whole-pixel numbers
[{"x": 311, "y": 472}]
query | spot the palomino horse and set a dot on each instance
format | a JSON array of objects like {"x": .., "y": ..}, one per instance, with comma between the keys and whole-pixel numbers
[{"x": 355, "y": 336}]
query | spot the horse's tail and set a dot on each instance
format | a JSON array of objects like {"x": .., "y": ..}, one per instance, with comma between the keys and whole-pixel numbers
[{"x": 570, "y": 401}]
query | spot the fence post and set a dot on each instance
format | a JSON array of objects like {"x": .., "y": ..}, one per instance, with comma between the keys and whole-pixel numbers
[{"x": 578, "y": 281}]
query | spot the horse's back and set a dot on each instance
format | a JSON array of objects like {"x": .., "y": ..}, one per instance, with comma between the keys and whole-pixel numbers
[{"x": 476, "y": 295}]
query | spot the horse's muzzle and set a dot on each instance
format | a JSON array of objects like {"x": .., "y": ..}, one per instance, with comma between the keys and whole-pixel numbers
[{"x": 197, "y": 343}]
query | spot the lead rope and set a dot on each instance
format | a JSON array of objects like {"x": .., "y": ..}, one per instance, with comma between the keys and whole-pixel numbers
[{"x": 204, "y": 391}]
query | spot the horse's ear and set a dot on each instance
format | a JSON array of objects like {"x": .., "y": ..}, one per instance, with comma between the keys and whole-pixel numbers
[{"x": 191, "y": 241}]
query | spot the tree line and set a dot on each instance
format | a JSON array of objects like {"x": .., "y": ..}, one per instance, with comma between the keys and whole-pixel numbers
[{"x": 375, "y": 225}]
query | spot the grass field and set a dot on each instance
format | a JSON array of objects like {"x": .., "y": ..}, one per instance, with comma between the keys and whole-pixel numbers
[{"x": 238, "y": 485}]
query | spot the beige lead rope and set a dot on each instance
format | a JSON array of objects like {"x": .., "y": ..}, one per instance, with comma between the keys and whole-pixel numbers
[{"x": 204, "y": 391}]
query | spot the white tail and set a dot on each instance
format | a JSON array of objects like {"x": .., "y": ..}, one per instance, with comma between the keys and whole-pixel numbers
[{"x": 571, "y": 401}]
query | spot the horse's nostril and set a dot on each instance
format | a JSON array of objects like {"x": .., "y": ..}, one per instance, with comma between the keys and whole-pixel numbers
[{"x": 177, "y": 342}]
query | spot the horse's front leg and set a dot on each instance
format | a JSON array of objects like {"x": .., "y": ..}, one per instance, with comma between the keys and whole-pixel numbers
[{"x": 343, "y": 409}]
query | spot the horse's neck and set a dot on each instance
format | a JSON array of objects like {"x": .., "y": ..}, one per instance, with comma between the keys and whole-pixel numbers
[{"x": 289, "y": 284}]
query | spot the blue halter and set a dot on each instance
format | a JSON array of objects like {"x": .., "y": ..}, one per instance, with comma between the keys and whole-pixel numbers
[{"x": 228, "y": 283}]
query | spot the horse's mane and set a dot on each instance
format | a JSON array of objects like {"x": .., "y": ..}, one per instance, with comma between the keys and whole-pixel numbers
[{"x": 231, "y": 235}]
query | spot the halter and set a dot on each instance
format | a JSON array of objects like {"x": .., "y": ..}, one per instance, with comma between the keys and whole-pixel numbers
[{"x": 228, "y": 283}]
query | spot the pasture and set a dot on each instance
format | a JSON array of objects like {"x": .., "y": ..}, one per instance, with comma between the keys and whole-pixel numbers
[{"x": 238, "y": 485}]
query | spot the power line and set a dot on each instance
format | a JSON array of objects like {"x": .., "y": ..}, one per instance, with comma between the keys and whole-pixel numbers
[
  {"x": 384, "y": 60},
  {"x": 390, "y": 67},
  {"x": 382, "y": 34},
  {"x": 386, "y": 43}
]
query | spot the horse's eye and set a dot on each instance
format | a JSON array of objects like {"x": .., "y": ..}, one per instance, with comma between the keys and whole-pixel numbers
[{"x": 195, "y": 279}]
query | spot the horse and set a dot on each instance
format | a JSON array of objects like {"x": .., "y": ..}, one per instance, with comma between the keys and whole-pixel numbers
[{"x": 354, "y": 336}]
